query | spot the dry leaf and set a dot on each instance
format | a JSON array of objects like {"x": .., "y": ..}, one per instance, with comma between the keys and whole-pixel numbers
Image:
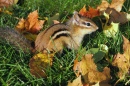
[
  {"x": 126, "y": 48},
  {"x": 128, "y": 16},
  {"x": 21, "y": 25},
  {"x": 88, "y": 69},
  {"x": 117, "y": 4},
  {"x": 126, "y": 45},
  {"x": 6, "y": 3},
  {"x": 122, "y": 61},
  {"x": 83, "y": 11},
  {"x": 76, "y": 82},
  {"x": 39, "y": 62},
  {"x": 116, "y": 17},
  {"x": 31, "y": 20},
  {"x": 111, "y": 29},
  {"x": 31, "y": 24},
  {"x": 90, "y": 13},
  {"x": 37, "y": 26},
  {"x": 103, "y": 6}
]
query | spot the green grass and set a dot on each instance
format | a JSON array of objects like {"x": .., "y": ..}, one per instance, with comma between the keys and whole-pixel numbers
[{"x": 14, "y": 65}]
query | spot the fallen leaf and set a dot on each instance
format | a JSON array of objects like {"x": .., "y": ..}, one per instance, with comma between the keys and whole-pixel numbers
[
  {"x": 116, "y": 17},
  {"x": 76, "y": 82},
  {"x": 111, "y": 29},
  {"x": 77, "y": 68},
  {"x": 88, "y": 69},
  {"x": 90, "y": 13},
  {"x": 103, "y": 6},
  {"x": 21, "y": 25},
  {"x": 83, "y": 11},
  {"x": 117, "y": 4},
  {"x": 5, "y": 11},
  {"x": 37, "y": 26},
  {"x": 39, "y": 62},
  {"x": 128, "y": 16},
  {"x": 122, "y": 61},
  {"x": 126, "y": 48},
  {"x": 31, "y": 24},
  {"x": 7, "y": 3}
]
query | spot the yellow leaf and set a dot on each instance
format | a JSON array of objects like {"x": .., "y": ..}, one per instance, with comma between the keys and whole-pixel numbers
[
  {"x": 76, "y": 82},
  {"x": 128, "y": 16},
  {"x": 21, "y": 25},
  {"x": 39, "y": 62},
  {"x": 112, "y": 29},
  {"x": 122, "y": 61},
  {"x": 88, "y": 69}
]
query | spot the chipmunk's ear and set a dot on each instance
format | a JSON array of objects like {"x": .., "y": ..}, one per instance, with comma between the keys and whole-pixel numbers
[{"x": 76, "y": 18}]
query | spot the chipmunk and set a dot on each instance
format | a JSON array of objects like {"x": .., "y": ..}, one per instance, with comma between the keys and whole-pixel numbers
[
  {"x": 69, "y": 35},
  {"x": 54, "y": 38}
]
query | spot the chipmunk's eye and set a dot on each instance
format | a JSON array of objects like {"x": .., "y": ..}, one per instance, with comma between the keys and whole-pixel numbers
[{"x": 87, "y": 23}]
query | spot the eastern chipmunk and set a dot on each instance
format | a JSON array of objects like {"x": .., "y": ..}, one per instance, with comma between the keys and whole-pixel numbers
[{"x": 69, "y": 35}]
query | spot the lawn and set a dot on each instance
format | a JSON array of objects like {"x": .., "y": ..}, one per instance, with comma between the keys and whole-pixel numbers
[{"x": 14, "y": 65}]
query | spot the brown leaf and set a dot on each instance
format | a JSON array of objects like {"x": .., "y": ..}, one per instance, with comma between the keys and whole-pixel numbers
[
  {"x": 117, "y": 4},
  {"x": 115, "y": 16},
  {"x": 122, "y": 61},
  {"x": 88, "y": 70},
  {"x": 103, "y": 6},
  {"x": 76, "y": 82},
  {"x": 6, "y": 3},
  {"x": 126, "y": 48},
  {"x": 39, "y": 62},
  {"x": 31, "y": 24}
]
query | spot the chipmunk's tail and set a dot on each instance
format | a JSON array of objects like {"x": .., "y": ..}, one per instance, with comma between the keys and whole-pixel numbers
[{"x": 16, "y": 39}]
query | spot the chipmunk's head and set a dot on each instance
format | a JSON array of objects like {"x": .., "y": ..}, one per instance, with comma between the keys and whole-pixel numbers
[{"x": 83, "y": 24}]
